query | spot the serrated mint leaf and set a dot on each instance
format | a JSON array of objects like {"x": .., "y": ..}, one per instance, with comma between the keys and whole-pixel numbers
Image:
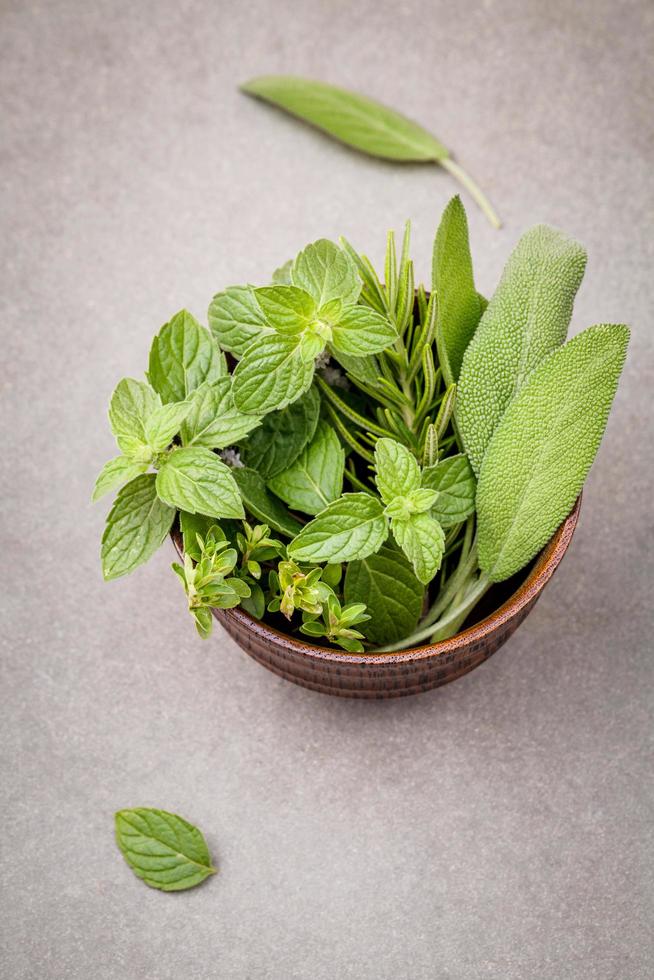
[
  {"x": 195, "y": 480},
  {"x": 326, "y": 272},
  {"x": 282, "y": 275},
  {"x": 271, "y": 375},
  {"x": 397, "y": 470},
  {"x": 351, "y": 527},
  {"x": 282, "y": 436},
  {"x": 182, "y": 356},
  {"x": 456, "y": 485},
  {"x": 132, "y": 403},
  {"x": 364, "y": 369},
  {"x": 164, "y": 424},
  {"x": 385, "y": 581},
  {"x": 287, "y": 309},
  {"x": 264, "y": 505},
  {"x": 162, "y": 849},
  {"x": 213, "y": 420},
  {"x": 526, "y": 319},
  {"x": 542, "y": 449},
  {"x": 459, "y": 308},
  {"x": 422, "y": 540},
  {"x": 136, "y": 526},
  {"x": 360, "y": 331},
  {"x": 116, "y": 472},
  {"x": 315, "y": 479},
  {"x": 236, "y": 319}
]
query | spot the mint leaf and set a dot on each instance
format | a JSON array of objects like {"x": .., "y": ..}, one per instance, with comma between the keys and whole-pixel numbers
[
  {"x": 271, "y": 375},
  {"x": 315, "y": 479},
  {"x": 397, "y": 470},
  {"x": 456, "y": 485},
  {"x": 542, "y": 449},
  {"x": 282, "y": 436},
  {"x": 164, "y": 424},
  {"x": 182, "y": 356},
  {"x": 236, "y": 319},
  {"x": 263, "y": 505},
  {"x": 327, "y": 273},
  {"x": 195, "y": 480},
  {"x": 132, "y": 403},
  {"x": 116, "y": 472},
  {"x": 136, "y": 526},
  {"x": 393, "y": 595},
  {"x": 282, "y": 275},
  {"x": 351, "y": 527},
  {"x": 526, "y": 319},
  {"x": 364, "y": 369},
  {"x": 162, "y": 849},
  {"x": 287, "y": 309},
  {"x": 213, "y": 420},
  {"x": 360, "y": 331},
  {"x": 191, "y": 525},
  {"x": 422, "y": 540},
  {"x": 459, "y": 307}
]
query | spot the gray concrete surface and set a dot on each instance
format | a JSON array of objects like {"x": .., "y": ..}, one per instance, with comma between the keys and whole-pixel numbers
[{"x": 498, "y": 828}]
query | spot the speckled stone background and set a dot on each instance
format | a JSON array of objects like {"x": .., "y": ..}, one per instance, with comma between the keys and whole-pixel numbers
[{"x": 498, "y": 828}]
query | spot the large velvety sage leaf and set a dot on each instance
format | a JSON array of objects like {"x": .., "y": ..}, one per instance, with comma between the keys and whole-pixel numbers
[
  {"x": 287, "y": 309},
  {"x": 116, "y": 472},
  {"x": 195, "y": 480},
  {"x": 422, "y": 540},
  {"x": 397, "y": 470},
  {"x": 236, "y": 319},
  {"x": 162, "y": 849},
  {"x": 393, "y": 595},
  {"x": 213, "y": 420},
  {"x": 182, "y": 356},
  {"x": 315, "y": 479},
  {"x": 459, "y": 307},
  {"x": 542, "y": 449},
  {"x": 271, "y": 375},
  {"x": 351, "y": 527},
  {"x": 327, "y": 273},
  {"x": 132, "y": 403},
  {"x": 282, "y": 436},
  {"x": 526, "y": 319},
  {"x": 456, "y": 485},
  {"x": 264, "y": 505},
  {"x": 359, "y": 331},
  {"x": 136, "y": 526}
]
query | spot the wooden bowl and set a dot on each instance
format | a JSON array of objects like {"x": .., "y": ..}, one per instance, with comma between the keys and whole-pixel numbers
[{"x": 394, "y": 675}]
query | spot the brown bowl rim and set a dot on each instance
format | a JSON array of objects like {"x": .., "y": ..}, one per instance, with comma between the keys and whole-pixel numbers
[{"x": 546, "y": 564}]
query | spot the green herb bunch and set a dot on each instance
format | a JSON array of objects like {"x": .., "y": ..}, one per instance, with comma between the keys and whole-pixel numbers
[{"x": 353, "y": 458}]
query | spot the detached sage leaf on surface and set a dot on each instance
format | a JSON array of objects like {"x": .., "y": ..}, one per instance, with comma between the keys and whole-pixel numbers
[
  {"x": 287, "y": 309},
  {"x": 182, "y": 356},
  {"x": 195, "y": 480},
  {"x": 213, "y": 421},
  {"x": 526, "y": 319},
  {"x": 164, "y": 424},
  {"x": 397, "y": 470},
  {"x": 315, "y": 479},
  {"x": 136, "y": 525},
  {"x": 236, "y": 319},
  {"x": 393, "y": 595},
  {"x": 351, "y": 527},
  {"x": 271, "y": 375},
  {"x": 359, "y": 331},
  {"x": 162, "y": 849},
  {"x": 132, "y": 403},
  {"x": 264, "y": 505},
  {"x": 542, "y": 449},
  {"x": 282, "y": 436},
  {"x": 116, "y": 472},
  {"x": 362, "y": 123},
  {"x": 456, "y": 485},
  {"x": 422, "y": 540},
  {"x": 327, "y": 273}
]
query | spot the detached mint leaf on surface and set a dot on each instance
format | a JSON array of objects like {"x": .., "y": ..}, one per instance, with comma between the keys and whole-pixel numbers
[
  {"x": 542, "y": 449},
  {"x": 287, "y": 309},
  {"x": 236, "y": 319},
  {"x": 393, "y": 595},
  {"x": 162, "y": 849},
  {"x": 262, "y": 504},
  {"x": 136, "y": 525},
  {"x": 456, "y": 485},
  {"x": 315, "y": 479},
  {"x": 282, "y": 436},
  {"x": 271, "y": 375},
  {"x": 351, "y": 527},
  {"x": 360, "y": 331},
  {"x": 526, "y": 319},
  {"x": 397, "y": 470},
  {"x": 164, "y": 424},
  {"x": 422, "y": 540},
  {"x": 213, "y": 421},
  {"x": 116, "y": 472},
  {"x": 195, "y": 480},
  {"x": 132, "y": 403},
  {"x": 182, "y": 356},
  {"x": 327, "y": 273}
]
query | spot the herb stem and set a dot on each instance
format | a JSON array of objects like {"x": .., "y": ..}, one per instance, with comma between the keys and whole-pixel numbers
[{"x": 473, "y": 189}]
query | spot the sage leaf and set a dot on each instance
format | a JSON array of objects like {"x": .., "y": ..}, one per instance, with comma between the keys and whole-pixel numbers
[
  {"x": 195, "y": 480},
  {"x": 132, "y": 403},
  {"x": 213, "y": 420},
  {"x": 526, "y": 319},
  {"x": 236, "y": 319},
  {"x": 116, "y": 472},
  {"x": 393, "y": 595},
  {"x": 456, "y": 485},
  {"x": 422, "y": 540},
  {"x": 458, "y": 307},
  {"x": 287, "y": 309},
  {"x": 327, "y": 273},
  {"x": 262, "y": 504},
  {"x": 362, "y": 123},
  {"x": 351, "y": 527},
  {"x": 182, "y": 356},
  {"x": 164, "y": 424},
  {"x": 162, "y": 849},
  {"x": 282, "y": 436},
  {"x": 360, "y": 331},
  {"x": 271, "y": 375},
  {"x": 397, "y": 470},
  {"x": 136, "y": 525},
  {"x": 315, "y": 479},
  {"x": 542, "y": 449}
]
